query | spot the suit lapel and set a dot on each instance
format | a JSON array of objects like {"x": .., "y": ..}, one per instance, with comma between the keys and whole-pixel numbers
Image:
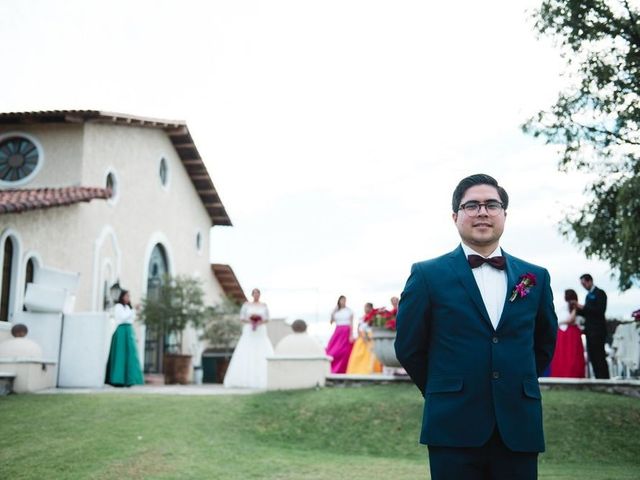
[
  {"x": 512, "y": 275},
  {"x": 461, "y": 268}
]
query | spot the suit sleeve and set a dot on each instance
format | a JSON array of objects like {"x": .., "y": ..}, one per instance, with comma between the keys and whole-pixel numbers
[
  {"x": 597, "y": 306},
  {"x": 412, "y": 337},
  {"x": 546, "y": 328}
]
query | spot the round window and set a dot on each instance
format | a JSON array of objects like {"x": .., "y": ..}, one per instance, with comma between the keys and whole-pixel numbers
[{"x": 19, "y": 158}]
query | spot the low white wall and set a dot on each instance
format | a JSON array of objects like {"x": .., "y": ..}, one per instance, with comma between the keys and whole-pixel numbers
[
  {"x": 31, "y": 375},
  {"x": 296, "y": 372}
]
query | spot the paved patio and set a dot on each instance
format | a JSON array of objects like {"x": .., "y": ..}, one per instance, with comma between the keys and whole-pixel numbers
[{"x": 202, "y": 390}]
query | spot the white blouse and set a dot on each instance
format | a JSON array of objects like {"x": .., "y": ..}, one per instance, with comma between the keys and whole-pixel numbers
[
  {"x": 343, "y": 316},
  {"x": 124, "y": 314}
]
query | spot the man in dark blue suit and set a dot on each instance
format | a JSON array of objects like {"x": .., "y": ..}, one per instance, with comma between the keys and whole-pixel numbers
[
  {"x": 476, "y": 328},
  {"x": 595, "y": 325}
]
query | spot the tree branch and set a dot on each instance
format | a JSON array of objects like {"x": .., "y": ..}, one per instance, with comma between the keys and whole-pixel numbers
[
  {"x": 633, "y": 22},
  {"x": 607, "y": 132}
]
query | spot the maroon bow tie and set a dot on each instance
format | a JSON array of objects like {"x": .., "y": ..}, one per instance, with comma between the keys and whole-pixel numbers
[{"x": 495, "y": 262}]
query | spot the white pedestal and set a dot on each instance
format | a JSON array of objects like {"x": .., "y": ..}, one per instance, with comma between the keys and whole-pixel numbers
[
  {"x": 45, "y": 330},
  {"x": 85, "y": 345}
]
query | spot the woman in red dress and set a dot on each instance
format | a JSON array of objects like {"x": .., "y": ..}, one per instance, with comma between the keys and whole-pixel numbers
[{"x": 568, "y": 359}]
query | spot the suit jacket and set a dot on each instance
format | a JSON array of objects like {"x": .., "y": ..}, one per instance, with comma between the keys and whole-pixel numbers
[
  {"x": 474, "y": 377},
  {"x": 593, "y": 312}
]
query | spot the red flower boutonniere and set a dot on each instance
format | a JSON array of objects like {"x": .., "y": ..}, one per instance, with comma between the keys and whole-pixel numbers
[{"x": 522, "y": 289}]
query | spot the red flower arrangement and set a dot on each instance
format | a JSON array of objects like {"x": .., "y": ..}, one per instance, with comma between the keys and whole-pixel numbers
[
  {"x": 522, "y": 289},
  {"x": 381, "y": 317},
  {"x": 255, "y": 321}
]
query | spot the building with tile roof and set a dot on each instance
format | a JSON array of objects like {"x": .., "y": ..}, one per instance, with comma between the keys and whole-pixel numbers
[{"x": 113, "y": 197}]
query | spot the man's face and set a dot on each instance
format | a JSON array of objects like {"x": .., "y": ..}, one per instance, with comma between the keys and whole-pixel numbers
[
  {"x": 586, "y": 283},
  {"x": 481, "y": 230}
]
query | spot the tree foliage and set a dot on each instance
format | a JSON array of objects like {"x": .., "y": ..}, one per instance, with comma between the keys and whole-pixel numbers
[
  {"x": 595, "y": 120},
  {"x": 223, "y": 326},
  {"x": 178, "y": 302}
]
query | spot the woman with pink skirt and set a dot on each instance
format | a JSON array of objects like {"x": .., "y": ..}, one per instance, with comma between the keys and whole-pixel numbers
[{"x": 341, "y": 341}]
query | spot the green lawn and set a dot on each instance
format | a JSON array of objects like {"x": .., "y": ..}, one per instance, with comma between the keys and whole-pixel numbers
[{"x": 353, "y": 433}]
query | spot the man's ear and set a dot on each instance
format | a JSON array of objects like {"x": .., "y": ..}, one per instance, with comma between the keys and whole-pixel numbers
[{"x": 454, "y": 215}]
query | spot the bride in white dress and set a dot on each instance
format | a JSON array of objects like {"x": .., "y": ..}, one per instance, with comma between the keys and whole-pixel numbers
[{"x": 248, "y": 366}]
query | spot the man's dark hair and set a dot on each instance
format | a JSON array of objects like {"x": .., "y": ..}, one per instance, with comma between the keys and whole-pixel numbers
[
  {"x": 587, "y": 277},
  {"x": 473, "y": 180}
]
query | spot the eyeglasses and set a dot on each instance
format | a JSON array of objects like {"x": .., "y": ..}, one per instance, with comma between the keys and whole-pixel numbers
[{"x": 472, "y": 209}]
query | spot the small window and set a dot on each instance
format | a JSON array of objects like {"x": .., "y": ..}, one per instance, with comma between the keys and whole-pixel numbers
[
  {"x": 20, "y": 159},
  {"x": 111, "y": 183},
  {"x": 199, "y": 241},
  {"x": 29, "y": 273},
  {"x": 163, "y": 171}
]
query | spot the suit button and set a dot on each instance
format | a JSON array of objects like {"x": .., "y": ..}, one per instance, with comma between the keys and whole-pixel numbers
[
  {"x": 494, "y": 339},
  {"x": 496, "y": 375}
]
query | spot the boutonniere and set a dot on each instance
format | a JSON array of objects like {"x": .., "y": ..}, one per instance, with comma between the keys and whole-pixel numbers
[{"x": 522, "y": 289}]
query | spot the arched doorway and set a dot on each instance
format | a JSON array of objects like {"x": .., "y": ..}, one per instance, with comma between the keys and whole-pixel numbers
[
  {"x": 157, "y": 269},
  {"x": 7, "y": 275}
]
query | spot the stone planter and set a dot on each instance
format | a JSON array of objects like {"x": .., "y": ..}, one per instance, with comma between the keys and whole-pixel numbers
[{"x": 383, "y": 340}]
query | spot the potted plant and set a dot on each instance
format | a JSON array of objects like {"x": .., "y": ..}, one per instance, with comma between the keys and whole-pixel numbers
[
  {"x": 175, "y": 304},
  {"x": 383, "y": 334},
  {"x": 221, "y": 332}
]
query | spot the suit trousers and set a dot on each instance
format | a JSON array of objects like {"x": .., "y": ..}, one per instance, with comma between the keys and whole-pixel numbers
[
  {"x": 491, "y": 461},
  {"x": 597, "y": 355}
]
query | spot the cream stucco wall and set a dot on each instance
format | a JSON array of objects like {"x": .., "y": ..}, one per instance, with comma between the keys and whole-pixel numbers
[
  {"x": 113, "y": 239},
  {"x": 62, "y": 153}
]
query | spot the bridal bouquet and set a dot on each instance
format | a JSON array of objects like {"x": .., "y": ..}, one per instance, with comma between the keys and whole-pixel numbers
[
  {"x": 381, "y": 317},
  {"x": 255, "y": 321}
]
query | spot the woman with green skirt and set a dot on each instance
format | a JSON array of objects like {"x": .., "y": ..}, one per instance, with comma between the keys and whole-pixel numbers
[{"x": 123, "y": 366}]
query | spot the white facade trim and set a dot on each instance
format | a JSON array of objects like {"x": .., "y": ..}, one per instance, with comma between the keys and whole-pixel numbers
[
  {"x": 37, "y": 263},
  {"x": 107, "y": 232},
  {"x": 106, "y": 274},
  {"x": 35, "y": 172},
  {"x": 161, "y": 238},
  {"x": 15, "y": 293}
]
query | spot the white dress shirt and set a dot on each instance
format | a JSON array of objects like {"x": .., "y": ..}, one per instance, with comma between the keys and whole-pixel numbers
[{"x": 492, "y": 284}]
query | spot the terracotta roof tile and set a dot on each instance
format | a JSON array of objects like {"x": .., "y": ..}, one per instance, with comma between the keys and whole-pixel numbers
[{"x": 21, "y": 200}]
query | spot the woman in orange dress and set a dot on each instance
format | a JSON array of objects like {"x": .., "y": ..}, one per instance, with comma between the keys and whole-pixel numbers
[{"x": 362, "y": 360}]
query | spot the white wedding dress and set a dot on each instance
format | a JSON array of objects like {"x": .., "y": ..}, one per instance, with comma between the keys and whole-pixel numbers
[{"x": 248, "y": 366}]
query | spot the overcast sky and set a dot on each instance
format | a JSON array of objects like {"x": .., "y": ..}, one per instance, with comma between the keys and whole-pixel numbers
[{"x": 334, "y": 131}]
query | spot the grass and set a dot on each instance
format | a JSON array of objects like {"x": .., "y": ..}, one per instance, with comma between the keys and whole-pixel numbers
[{"x": 356, "y": 433}]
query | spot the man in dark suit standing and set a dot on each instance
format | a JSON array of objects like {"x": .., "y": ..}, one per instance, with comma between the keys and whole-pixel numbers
[
  {"x": 595, "y": 325},
  {"x": 475, "y": 329}
]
